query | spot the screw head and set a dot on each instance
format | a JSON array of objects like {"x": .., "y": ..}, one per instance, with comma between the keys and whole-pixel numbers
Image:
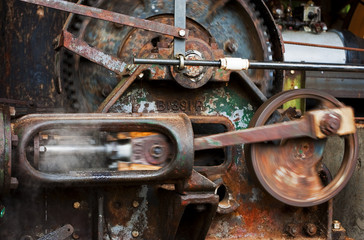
[
  {"x": 76, "y": 205},
  {"x": 135, "y": 234},
  {"x": 336, "y": 224},
  {"x": 311, "y": 229},
  {"x": 135, "y": 204},
  {"x": 75, "y": 236},
  {"x": 182, "y": 33}
]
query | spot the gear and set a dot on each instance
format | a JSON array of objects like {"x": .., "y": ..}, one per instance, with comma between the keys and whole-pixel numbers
[{"x": 217, "y": 24}]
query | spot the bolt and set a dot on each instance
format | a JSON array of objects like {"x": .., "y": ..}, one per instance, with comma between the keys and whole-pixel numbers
[
  {"x": 129, "y": 68},
  {"x": 135, "y": 233},
  {"x": 310, "y": 229},
  {"x": 75, "y": 236},
  {"x": 231, "y": 46},
  {"x": 336, "y": 224},
  {"x": 157, "y": 151},
  {"x": 135, "y": 204},
  {"x": 42, "y": 149},
  {"x": 76, "y": 205},
  {"x": 182, "y": 33},
  {"x": 330, "y": 123},
  {"x": 292, "y": 230}
]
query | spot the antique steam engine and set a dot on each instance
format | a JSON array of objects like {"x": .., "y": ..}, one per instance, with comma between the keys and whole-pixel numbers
[{"x": 161, "y": 119}]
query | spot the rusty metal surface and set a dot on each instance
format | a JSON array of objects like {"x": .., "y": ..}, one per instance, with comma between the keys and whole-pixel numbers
[
  {"x": 116, "y": 37},
  {"x": 82, "y": 49},
  {"x": 110, "y": 16},
  {"x": 27, "y": 54},
  {"x": 5, "y": 150},
  {"x": 159, "y": 211},
  {"x": 61, "y": 233}
]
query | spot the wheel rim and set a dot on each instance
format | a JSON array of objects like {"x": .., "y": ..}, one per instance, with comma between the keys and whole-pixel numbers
[{"x": 298, "y": 197}]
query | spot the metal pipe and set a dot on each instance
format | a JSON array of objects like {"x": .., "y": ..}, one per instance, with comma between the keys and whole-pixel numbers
[
  {"x": 260, "y": 65},
  {"x": 176, "y": 62},
  {"x": 307, "y": 66}
]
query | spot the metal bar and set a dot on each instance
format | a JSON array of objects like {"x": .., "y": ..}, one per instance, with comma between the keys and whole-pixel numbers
[
  {"x": 292, "y": 129},
  {"x": 252, "y": 87},
  {"x": 176, "y": 62},
  {"x": 180, "y": 21},
  {"x": 61, "y": 233},
  {"x": 323, "y": 46},
  {"x": 306, "y": 66},
  {"x": 116, "y": 93},
  {"x": 81, "y": 48},
  {"x": 111, "y": 17},
  {"x": 261, "y": 65}
]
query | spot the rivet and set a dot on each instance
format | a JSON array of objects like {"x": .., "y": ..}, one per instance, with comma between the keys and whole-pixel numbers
[
  {"x": 76, "y": 205},
  {"x": 135, "y": 234},
  {"x": 135, "y": 204},
  {"x": 75, "y": 236}
]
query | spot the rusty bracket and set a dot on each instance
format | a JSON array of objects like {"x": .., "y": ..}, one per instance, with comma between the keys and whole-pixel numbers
[
  {"x": 339, "y": 121},
  {"x": 80, "y": 47},
  {"x": 59, "y": 234},
  {"x": 112, "y": 17}
]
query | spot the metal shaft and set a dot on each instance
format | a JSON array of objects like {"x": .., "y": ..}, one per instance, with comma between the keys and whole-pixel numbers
[
  {"x": 307, "y": 66},
  {"x": 208, "y": 63},
  {"x": 260, "y": 65}
]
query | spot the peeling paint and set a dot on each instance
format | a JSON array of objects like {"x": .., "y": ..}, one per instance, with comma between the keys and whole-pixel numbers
[{"x": 138, "y": 221}]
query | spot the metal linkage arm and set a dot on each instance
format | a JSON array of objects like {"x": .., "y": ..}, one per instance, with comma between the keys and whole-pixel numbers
[
  {"x": 81, "y": 48},
  {"x": 112, "y": 17},
  {"x": 317, "y": 124}
]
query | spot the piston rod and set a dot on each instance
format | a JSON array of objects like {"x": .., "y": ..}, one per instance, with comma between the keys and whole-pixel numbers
[{"x": 237, "y": 64}]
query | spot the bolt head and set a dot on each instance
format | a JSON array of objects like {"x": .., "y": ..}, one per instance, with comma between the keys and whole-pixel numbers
[
  {"x": 42, "y": 149},
  {"x": 182, "y": 33},
  {"x": 76, "y": 205},
  {"x": 135, "y": 204},
  {"x": 157, "y": 151},
  {"x": 336, "y": 224},
  {"x": 135, "y": 234},
  {"x": 330, "y": 123}
]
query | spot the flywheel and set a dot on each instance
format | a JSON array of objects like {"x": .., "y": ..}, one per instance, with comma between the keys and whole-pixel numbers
[{"x": 292, "y": 170}]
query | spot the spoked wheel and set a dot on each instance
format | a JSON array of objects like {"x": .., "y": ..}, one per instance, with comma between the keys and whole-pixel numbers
[{"x": 290, "y": 169}]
